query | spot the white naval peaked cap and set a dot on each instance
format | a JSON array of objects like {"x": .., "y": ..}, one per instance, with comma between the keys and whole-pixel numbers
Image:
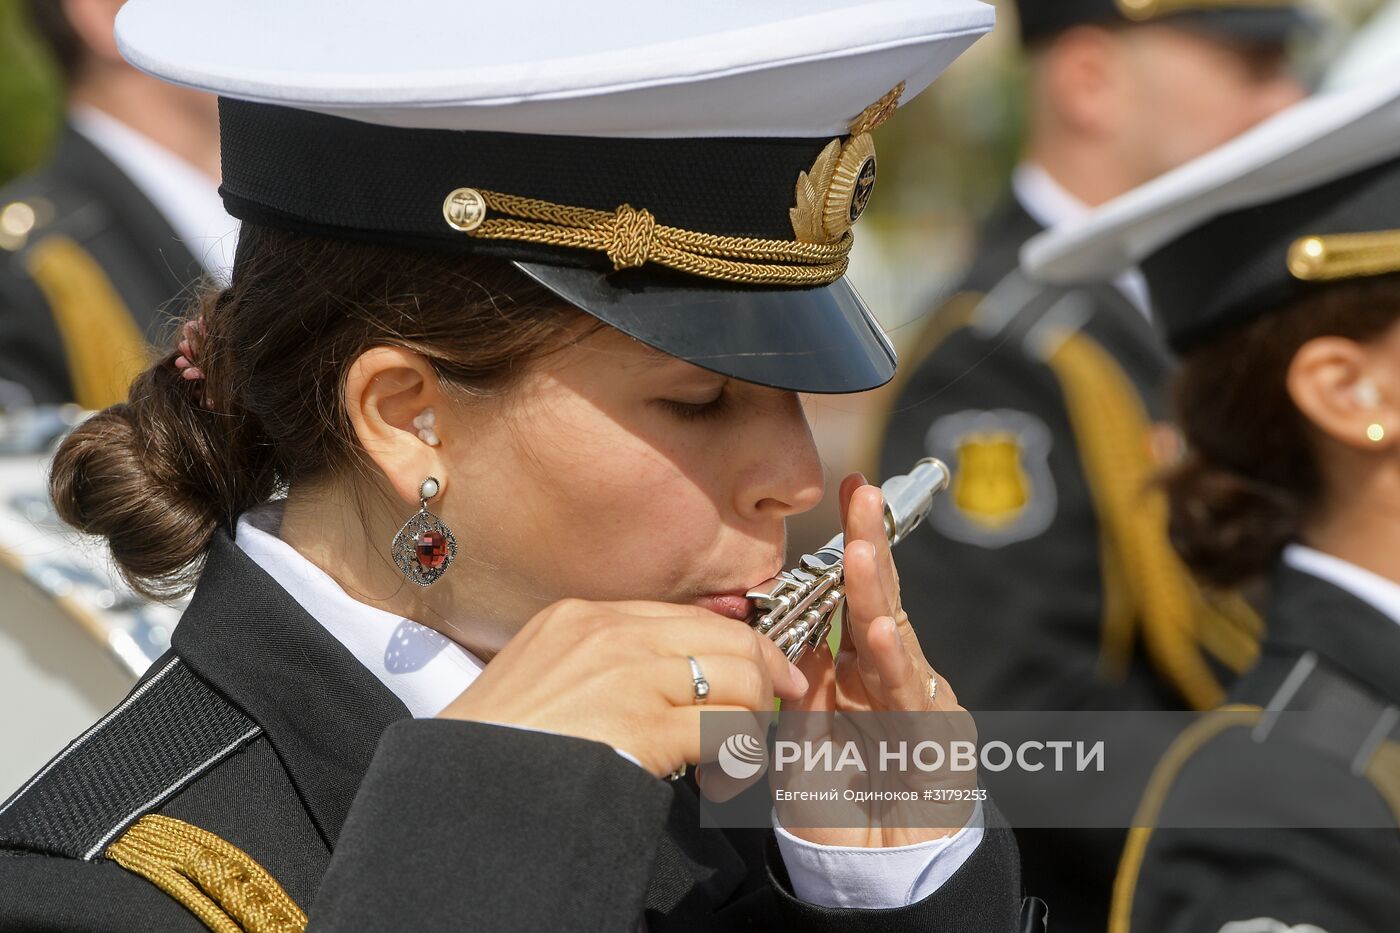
[
  {"x": 1323, "y": 138},
  {"x": 631, "y": 68},
  {"x": 688, "y": 173}
]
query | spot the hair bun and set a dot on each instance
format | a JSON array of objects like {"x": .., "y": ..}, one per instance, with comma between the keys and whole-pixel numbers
[
  {"x": 1228, "y": 528},
  {"x": 124, "y": 474}
]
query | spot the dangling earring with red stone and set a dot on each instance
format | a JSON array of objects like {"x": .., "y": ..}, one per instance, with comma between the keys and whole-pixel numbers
[{"x": 424, "y": 547}]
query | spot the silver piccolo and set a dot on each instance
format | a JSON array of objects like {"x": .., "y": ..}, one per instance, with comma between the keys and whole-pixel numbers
[{"x": 796, "y": 608}]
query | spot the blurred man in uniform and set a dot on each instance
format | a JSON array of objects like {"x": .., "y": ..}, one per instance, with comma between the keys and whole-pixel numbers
[
  {"x": 116, "y": 224},
  {"x": 1044, "y": 576}
]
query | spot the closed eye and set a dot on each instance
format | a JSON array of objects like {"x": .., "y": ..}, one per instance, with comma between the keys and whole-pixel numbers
[{"x": 696, "y": 411}]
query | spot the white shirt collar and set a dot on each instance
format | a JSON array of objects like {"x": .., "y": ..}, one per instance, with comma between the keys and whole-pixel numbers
[
  {"x": 1050, "y": 204},
  {"x": 1373, "y": 588},
  {"x": 423, "y": 668},
  {"x": 187, "y": 198}
]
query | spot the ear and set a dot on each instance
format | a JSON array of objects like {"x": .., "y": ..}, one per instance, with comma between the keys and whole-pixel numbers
[
  {"x": 1348, "y": 391},
  {"x": 1082, "y": 78},
  {"x": 385, "y": 389}
]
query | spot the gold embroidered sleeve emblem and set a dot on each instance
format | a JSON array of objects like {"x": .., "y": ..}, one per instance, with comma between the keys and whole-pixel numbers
[{"x": 1003, "y": 490}]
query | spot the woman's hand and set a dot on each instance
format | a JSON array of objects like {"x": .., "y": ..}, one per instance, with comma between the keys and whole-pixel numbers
[
  {"x": 617, "y": 673},
  {"x": 880, "y": 666}
]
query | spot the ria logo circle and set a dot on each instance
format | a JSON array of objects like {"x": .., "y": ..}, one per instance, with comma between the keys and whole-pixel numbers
[{"x": 742, "y": 756}]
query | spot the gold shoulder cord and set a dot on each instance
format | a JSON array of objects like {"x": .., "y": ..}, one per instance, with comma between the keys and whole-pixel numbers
[
  {"x": 104, "y": 347},
  {"x": 216, "y": 881},
  {"x": 1383, "y": 770},
  {"x": 1163, "y": 777},
  {"x": 1152, "y": 584}
]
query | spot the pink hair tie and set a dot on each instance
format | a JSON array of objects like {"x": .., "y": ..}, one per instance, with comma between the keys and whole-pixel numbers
[
  {"x": 192, "y": 336},
  {"x": 188, "y": 360}
]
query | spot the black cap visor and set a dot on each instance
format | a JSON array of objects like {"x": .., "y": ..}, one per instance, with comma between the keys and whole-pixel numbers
[{"x": 820, "y": 339}]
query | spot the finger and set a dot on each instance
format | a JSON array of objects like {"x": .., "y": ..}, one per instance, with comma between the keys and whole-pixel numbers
[
  {"x": 867, "y": 523},
  {"x": 904, "y": 683},
  {"x": 863, "y": 607},
  {"x": 849, "y": 485},
  {"x": 819, "y": 667},
  {"x": 716, "y": 783},
  {"x": 718, "y": 635},
  {"x": 648, "y": 609},
  {"x": 732, "y": 680},
  {"x": 681, "y": 729}
]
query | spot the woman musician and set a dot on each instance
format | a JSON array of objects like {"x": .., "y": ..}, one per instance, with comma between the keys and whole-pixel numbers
[{"x": 470, "y": 468}]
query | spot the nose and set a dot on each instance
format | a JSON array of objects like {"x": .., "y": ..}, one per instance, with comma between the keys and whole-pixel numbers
[{"x": 783, "y": 475}]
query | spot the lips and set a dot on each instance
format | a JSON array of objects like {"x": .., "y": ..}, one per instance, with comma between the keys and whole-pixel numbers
[{"x": 730, "y": 605}]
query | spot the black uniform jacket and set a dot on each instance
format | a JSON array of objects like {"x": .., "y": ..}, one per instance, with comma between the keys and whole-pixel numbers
[
  {"x": 1006, "y": 580},
  {"x": 371, "y": 820},
  {"x": 1009, "y": 584},
  {"x": 82, "y": 197},
  {"x": 1325, "y": 650}
]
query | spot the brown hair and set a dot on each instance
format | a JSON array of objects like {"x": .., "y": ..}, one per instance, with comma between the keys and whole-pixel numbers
[
  {"x": 158, "y": 474},
  {"x": 1251, "y": 474}
]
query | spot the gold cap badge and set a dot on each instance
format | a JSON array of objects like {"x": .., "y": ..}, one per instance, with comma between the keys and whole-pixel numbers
[{"x": 833, "y": 193}]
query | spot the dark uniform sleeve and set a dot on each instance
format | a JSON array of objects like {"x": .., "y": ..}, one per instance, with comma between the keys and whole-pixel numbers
[
  {"x": 515, "y": 832},
  {"x": 468, "y": 825},
  {"x": 44, "y": 894},
  {"x": 1252, "y": 871},
  {"x": 495, "y": 828},
  {"x": 31, "y": 352}
]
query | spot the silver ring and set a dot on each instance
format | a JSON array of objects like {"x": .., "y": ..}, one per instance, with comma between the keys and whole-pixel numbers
[
  {"x": 698, "y": 681},
  {"x": 932, "y": 688}
]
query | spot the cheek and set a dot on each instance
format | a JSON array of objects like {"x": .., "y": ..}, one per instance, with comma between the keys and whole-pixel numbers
[
  {"x": 1201, "y": 104},
  {"x": 598, "y": 513}
]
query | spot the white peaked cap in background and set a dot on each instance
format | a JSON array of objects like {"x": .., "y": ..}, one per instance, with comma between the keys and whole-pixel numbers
[
  {"x": 632, "y": 68},
  {"x": 1326, "y": 137}
]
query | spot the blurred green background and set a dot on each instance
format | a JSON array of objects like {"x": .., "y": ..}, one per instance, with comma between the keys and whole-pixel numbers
[{"x": 30, "y": 93}]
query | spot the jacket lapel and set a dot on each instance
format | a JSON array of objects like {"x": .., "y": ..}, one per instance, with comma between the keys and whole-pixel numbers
[
  {"x": 1310, "y": 614},
  {"x": 322, "y": 711}
]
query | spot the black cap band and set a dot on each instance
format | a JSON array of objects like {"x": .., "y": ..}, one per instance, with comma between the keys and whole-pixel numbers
[
  {"x": 334, "y": 176},
  {"x": 1242, "y": 19},
  {"x": 1235, "y": 267}
]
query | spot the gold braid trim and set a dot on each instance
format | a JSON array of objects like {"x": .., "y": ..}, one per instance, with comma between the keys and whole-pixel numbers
[
  {"x": 1200, "y": 732},
  {"x": 1383, "y": 771},
  {"x": 632, "y": 238},
  {"x": 216, "y": 881},
  {"x": 1111, "y": 428},
  {"x": 104, "y": 347}
]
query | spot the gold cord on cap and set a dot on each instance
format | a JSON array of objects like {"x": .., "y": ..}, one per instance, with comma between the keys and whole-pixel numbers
[
  {"x": 831, "y": 196},
  {"x": 631, "y": 237},
  {"x": 1344, "y": 255}
]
